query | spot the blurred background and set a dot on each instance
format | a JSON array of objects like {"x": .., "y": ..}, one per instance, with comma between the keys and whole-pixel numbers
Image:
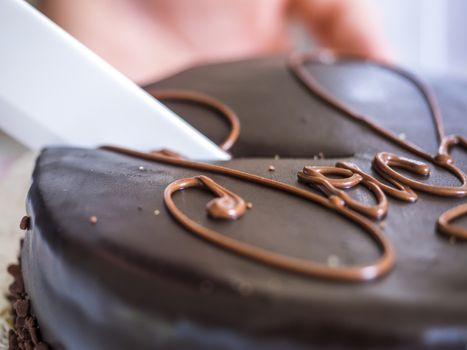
[{"x": 425, "y": 35}]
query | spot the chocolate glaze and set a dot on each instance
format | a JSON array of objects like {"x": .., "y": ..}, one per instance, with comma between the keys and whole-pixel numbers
[
  {"x": 384, "y": 160},
  {"x": 314, "y": 175},
  {"x": 134, "y": 270}
]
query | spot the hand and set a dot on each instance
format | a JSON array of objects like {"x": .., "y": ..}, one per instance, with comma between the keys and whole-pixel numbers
[
  {"x": 344, "y": 25},
  {"x": 151, "y": 39}
]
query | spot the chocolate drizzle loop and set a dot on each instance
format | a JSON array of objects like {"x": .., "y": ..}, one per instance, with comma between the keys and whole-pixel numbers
[
  {"x": 401, "y": 192},
  {"x": 227, "y": 205},
  {"x": 384, "y": 162},
  {"x": 445, "y": 226},
  {"x": 232, "y": 207},
  {"x": 207, "y": 101},
  {"x": 315, "y": 176},
  {"x": 354, "y": 274}
]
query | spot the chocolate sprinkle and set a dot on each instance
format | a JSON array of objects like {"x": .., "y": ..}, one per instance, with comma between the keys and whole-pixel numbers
[
  {"x": 21, "y": 307},
  {"x": 25, "y": 223},
  {"x": 25, "y": 334}
]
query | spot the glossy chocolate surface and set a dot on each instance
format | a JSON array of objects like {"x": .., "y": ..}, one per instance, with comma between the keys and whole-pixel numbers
[{"x": 136, "y": 278}]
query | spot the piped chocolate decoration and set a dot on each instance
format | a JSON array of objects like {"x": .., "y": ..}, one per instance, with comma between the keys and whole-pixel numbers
[
  {"x": 208, "y": 101},
  {"x": 401, "y": 192},
  {"x": 227, "y": 205},
  {"x": 230, "y": 206},
  {"x": 167, "y": 152},
  {"x": 315, "y": 176},
  {"x": 445, "y": 226},
  {"x": 383, "y": 160}
]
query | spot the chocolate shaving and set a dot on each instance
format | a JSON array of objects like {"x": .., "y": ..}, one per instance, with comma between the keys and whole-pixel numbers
[
  {"x": 25, "y": 223},
  {"x": 21, "y": 307},
  {"x": 25, "y": 334}
]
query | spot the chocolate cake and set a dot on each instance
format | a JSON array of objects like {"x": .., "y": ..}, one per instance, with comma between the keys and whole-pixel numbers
[{"x": 338, "y": 224}]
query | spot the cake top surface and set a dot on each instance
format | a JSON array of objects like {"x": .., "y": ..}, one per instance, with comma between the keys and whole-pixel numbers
[{"x": 134, "y": 232}]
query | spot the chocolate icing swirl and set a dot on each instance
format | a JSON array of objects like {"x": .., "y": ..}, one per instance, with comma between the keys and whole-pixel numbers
[
  {"x": 445, "y": 226},
  {"x": 384, "y": 162},
  {"x": 229, "y": 206},
  {"x": 314, "y": 175},
  {"x": 401, "y": 192}
]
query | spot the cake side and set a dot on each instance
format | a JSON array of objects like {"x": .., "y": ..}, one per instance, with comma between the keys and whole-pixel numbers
[{"x": 137, "y": 266}]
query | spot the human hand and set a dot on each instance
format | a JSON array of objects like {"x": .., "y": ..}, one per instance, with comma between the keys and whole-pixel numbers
[{"x": 348, "y": 26}]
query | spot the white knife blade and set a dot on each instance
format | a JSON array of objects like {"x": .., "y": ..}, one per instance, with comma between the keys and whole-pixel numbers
[{"x": 53, "y": 90}]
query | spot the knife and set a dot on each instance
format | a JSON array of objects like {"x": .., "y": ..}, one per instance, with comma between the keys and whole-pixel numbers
[{"x": 55, "y": 91}]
